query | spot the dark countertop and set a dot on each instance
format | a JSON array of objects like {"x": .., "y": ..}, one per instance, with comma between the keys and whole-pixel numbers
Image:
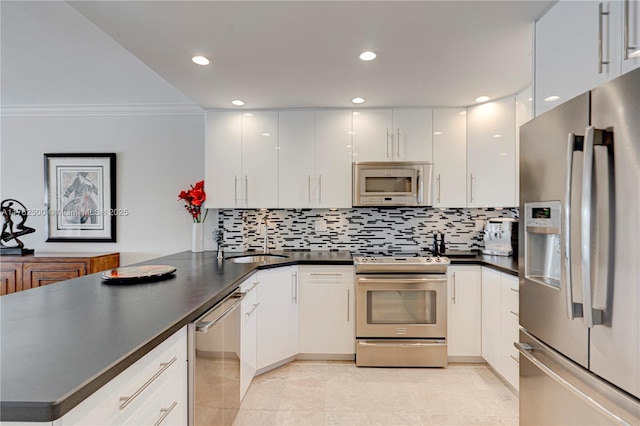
[
  {"x": 62, "y": 342},
  {"x": 505, "y": 264}
]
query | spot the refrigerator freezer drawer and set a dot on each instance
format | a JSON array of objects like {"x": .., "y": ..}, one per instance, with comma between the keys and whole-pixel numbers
[{"x": 557, "y": 391}]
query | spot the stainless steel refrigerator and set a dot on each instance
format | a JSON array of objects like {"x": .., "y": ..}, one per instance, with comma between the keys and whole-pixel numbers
[{"x": 580, "y": 265}]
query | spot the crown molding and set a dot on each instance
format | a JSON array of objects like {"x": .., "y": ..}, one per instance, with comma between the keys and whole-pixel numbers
[{"x": 93, "y": 110}]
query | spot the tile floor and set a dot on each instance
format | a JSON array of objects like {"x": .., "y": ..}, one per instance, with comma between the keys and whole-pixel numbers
[{"x": 339, "y": 393}]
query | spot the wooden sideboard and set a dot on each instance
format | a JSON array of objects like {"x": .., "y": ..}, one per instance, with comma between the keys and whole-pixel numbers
[{"x": 19, "y": 273}]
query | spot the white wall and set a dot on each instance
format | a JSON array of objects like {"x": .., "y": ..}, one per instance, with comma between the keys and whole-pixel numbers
[{"x": 157, "y": 156}]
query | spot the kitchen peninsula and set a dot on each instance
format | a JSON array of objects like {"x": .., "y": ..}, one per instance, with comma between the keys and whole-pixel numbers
[{"x": 63, "y": 342}]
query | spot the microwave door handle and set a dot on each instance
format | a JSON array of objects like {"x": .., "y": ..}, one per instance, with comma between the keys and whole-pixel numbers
[{"x": 573, "y": 309}]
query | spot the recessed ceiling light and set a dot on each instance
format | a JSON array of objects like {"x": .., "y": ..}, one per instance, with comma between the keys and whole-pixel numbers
[
  {"x": 482, "y": 98},
  {"x": 200, "y": 60},
  {"x": 368, "y": 55},
  {"x": 551, "y": 98},
  {"x": 237, "y": 102},
  {"x": 503, "y": 154},
  {"x": 357, "y": 100},
  {"x": 497, "y": 136},
  {"x": 437, "y": 133},
  {"x": 266, "y": 134}
]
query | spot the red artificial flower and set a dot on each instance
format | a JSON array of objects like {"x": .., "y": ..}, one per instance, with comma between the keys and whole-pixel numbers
[{"x": 194, "y": 199}]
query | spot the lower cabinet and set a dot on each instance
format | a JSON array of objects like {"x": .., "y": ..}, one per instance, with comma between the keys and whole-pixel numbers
[
  {"x": 464, "y": 314},
  {"x": 154, "y": 388},
  {"x": 248, "y": 333},
  {"x": 500, "y": 323},
  {"x": 327, "y": 312},
  {"x": 277, "y": 316}
]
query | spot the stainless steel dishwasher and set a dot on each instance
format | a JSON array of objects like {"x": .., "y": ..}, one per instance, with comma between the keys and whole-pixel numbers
[{"x": 214, "y": 364}]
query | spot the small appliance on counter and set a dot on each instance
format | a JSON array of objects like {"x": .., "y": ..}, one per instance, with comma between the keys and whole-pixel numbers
[{"x": 500, "y": 236}]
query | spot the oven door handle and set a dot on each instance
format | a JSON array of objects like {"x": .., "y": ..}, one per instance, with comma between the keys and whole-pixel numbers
[{"x": 395, "y": 280}]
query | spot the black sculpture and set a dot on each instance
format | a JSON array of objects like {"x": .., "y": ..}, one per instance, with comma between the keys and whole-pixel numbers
[{"x": 13, "y": 208}]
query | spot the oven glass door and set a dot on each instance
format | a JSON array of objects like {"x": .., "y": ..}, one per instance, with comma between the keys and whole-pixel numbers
[
  {"x": 401, "y": 306},
  {"x": 388, "y": 182}
]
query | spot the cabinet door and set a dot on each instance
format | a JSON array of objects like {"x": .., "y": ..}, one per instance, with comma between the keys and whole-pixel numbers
[
  {"x": 296, "y": 167},
  {"x": 491, "y": 336},
  {"x": 372, "y": 135},
  {"x": 333, "y": 159},
  {"x": 509, "y": 328},
  {"x": 248, "y": 333},
  {"x": 464, "y": 325},
  {"x": 630, "y": 15},
  {"x": 223, "y": 171},
  {"x": 277, "y": 315},
  {"x": 38, "y": 274},
  {"x": 491, "y": 161},
  {"x": 412, "y": 135},
  {"x": 327, "y": 310},
  {"x": 524, "y": 113},
  {"x": 10, "y": 277},
  {"x": 450, "y": 157},
  {"x": 566, "y": 50},
  {"x": 260, "y": 159}
]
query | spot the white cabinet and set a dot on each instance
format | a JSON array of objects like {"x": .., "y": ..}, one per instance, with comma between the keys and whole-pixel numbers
[
  {"x": 392, "y": 135},
  {"x": 241, "y": 159},
  {"x": 631, "y": 43},
  {"x": 449, "y": 157},
  {"x": 524, "y": 113},
  {"x": 277, "y": 320},
  {"x": 491, "y": 162},
  {"x": 248, "y": 333},
  {"x": 314, "y": 159},
  {"x": 327, "y": 310},
  {"x": 500, "y": 323},
  {"x": 571, "y": 38},
  {"x": 464, "y": 313},
  {"x": 142, "y": 393}
]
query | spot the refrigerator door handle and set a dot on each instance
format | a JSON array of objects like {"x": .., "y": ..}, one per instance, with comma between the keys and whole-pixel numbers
[
  {"x": 573, "y": 309},
  {"x": 526, "y": 350},
  {"x": 603, "y": 164},
  {"x": 591, "y": 316}
]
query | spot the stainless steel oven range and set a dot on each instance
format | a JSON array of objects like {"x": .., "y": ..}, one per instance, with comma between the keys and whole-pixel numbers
[{"x": 401, "y": 311}]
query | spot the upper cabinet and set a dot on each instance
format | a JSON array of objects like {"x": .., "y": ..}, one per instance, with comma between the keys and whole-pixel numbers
[
  {"x": 392, "y": 135},
  {"x": 491, "y": 161},
  {"x": 449, "y": 157},
  {"x": 241, "y": 159},
  {"x": 315, "y": 159},
  {"x": 582, "y": 44}
]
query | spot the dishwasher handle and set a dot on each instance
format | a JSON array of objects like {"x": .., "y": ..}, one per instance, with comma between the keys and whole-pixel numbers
[{"x": 204, "y": 326}]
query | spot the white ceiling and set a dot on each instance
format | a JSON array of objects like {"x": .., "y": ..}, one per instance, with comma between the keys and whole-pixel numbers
[{"x": 280, "y": 54}]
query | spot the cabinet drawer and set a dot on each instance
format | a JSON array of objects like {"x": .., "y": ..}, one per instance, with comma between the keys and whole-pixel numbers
[
  {"x": 40, "y": 274},
  {"x": 326, "y": 274},
  {"x": 509, "y": 321},
  {"x": 137, "y": 383},
  {"x": 509, "y": 285},
  {"x": 168, "y": 406},
  {"x": 509, "y": 362}
]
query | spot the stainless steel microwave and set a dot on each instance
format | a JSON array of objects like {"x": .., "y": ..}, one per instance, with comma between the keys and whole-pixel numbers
[{"x": 396, "y": 183}]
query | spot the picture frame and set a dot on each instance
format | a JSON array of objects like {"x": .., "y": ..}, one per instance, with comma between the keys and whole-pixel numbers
[{"x": 80, "y": 197}]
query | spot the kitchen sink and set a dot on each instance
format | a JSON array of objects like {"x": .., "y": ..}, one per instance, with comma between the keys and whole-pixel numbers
[{"x": 256, "y": 258}]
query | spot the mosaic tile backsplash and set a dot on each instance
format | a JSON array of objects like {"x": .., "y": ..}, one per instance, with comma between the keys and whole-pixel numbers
[{"x": 407, "y": 229}]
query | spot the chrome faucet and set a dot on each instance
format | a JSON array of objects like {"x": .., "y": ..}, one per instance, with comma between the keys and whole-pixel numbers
[{"x": 265, "y": 247}]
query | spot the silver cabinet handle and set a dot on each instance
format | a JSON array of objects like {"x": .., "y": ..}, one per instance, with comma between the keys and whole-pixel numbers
[
  {"x": 165, "y": 412},
  {"x": 325, "y": 274},
  {"x": 253, "y": 309},
  {"x": 526, "y": 351},
  {"x": 471, "y": 188},
  {"x": 126, "y": 400},
  {"x": 309, "y": 188},
  {"x": 319, "y": 189},
  {"x": 388, "y": 156},
  {"x": 235, "y": 189},
  {"x": 515, "y": 290},
  {"x": 420, "y": 188},
  {"x": 453, "y": 296},
  {"x": 398, "y": 144},
  {"x": 601, "y": 15},
  {"x": 439, "y": 188},
  {"x": 348, "y": 305},
  {"x": 246, "y": 191},
  {"x": 294, "y": 287},
  {"x": 626, "y": 47},
  {"x": 515, "y": 359},
  {"x": 250, "y": 289},
  {"x": 515, "y": 314}
]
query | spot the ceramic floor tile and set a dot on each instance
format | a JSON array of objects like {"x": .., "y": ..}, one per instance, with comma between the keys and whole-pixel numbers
[{"x": 337, "y": 393}]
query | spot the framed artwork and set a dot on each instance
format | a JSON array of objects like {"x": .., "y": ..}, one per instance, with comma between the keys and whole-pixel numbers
[{"x": 80, "y": 197}]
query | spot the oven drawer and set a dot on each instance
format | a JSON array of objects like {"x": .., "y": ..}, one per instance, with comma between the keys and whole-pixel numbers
[{"x": 401, "y": 353}]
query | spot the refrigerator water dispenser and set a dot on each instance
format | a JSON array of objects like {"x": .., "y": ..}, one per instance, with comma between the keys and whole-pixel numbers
[{"x": 542, "y": 242}]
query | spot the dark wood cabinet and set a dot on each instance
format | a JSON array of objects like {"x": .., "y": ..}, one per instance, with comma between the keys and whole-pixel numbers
[{"x": 19, "y": 273}]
